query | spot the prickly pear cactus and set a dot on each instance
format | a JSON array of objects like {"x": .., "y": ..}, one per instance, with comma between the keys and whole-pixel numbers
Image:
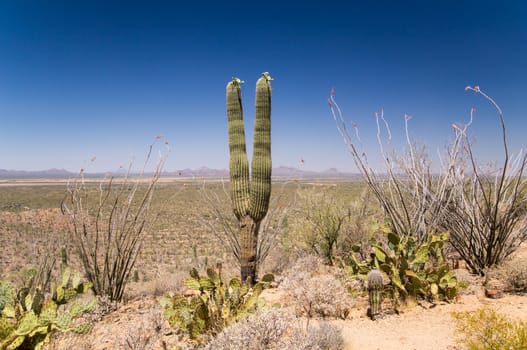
[
  {"x": 375, "y": 293},
  {"x": 217, "y": 305},
  {"x": 28, "y": 319},
  {"x": 68, "y": 287},
  {"x": 250, "y": 198}
]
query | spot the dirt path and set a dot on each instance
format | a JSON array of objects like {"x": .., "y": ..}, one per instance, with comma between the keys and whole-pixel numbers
[{"x": 423, "y": 329}]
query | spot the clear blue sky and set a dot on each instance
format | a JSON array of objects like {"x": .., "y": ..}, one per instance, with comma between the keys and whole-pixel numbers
[{"x": 88, "y": 77}]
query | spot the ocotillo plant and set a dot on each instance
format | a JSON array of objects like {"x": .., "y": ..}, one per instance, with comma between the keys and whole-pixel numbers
[
  {"x": 375, "y": 292},
  {"x": 250, "y": 198}
]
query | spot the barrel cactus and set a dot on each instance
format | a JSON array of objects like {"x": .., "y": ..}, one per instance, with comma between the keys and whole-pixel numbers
[
  {"x": 375, "y": 293},
  {"x": 249, "y": 195}
]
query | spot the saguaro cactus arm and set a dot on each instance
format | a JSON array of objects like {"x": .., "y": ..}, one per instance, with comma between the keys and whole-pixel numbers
[
  {"x": 261, "y": 162},
  {"x": 238, "y": 162}
]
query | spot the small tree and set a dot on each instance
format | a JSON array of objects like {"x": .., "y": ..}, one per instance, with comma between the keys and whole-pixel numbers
[
  {"x": 108, "y": 221},
  {"x": 320, "y": 221}
]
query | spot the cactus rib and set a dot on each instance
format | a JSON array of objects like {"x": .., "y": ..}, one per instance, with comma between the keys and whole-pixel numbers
[{"x": 375, "y": 293}]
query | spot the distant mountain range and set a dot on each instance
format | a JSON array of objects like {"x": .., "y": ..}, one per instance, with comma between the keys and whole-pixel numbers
[
  {"x": 281, "y": 171},
  {"x": 46, "y": 174}
]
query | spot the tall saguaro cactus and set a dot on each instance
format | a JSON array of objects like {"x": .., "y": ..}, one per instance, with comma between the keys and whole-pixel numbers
[{"x": 250, "y": 197}]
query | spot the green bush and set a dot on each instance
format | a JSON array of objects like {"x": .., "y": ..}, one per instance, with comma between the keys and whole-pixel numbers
[
  {"x": 320, "y": 222},
  {"x": 485, "y": 329}
]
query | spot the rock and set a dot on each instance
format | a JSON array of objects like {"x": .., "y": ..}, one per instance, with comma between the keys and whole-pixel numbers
[{"x": 494, "y": 293}]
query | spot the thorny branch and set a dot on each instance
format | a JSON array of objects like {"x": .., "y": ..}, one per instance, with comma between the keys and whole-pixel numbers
[{"x": 108, "y": 221}]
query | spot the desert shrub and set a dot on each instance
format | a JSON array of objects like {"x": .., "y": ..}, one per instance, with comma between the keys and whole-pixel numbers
[
  {"x": 513, "y": 273},
  {"x": 485, "y": 329},
  {"x": 364, "y": 214},
  {"x": 306, "y": 264},
  {"x": 319, "y": 221},
  {"x": 326, "y": 337},
  {"x": 487, "y": 214},
  {"x": 260, "y": 331},
  {"x": 158, "y": 286},
  {"x": 276, "y": 329},
  {"x": 322, "y": 295},
  {"x": 215, "y": 304},
  {"x": 108, "y": 222},
  {"x": 315, "y": 290},
  {"x": 146, "y": 333},
  {"x": 412, "y": 196},
  {"x": 483, "y": 208},
  {"x": 517, "y": 277}
]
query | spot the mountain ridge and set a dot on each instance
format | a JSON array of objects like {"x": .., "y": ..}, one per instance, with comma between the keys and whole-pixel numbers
[{"x": 280, "y": 171}]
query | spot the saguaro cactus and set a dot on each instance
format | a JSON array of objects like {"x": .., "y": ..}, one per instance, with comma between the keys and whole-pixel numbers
[
  {"x": 375, "y": 293},
  {"x": 250, "y": 198}
]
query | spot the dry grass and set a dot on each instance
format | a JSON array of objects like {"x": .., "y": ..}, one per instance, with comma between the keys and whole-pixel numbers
[
  {"x": 513, "y": 272},
  {"x": 31, "y": 236},
  {"x": 31, "y": 226},
  {"x": 277, "y": 329},
  {"x": 315, "y": 290}
]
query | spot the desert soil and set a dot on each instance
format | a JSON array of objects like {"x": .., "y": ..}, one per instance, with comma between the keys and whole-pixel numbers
[
  {"x": 424, "y": 329},
  {"x": 140, "y": 325}
]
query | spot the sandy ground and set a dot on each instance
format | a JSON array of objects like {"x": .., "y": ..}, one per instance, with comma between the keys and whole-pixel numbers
[
  {"x": 420, "y": 328},
  {"x": 140, "y": 325}
]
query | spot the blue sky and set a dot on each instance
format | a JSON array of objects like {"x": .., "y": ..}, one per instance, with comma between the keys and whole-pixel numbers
[{"x": 103, "y": 78}]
